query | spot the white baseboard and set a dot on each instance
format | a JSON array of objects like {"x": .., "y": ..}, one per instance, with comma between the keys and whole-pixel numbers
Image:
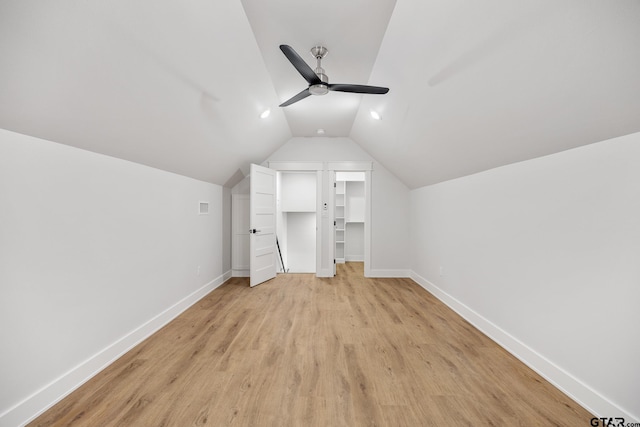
[
  {"x": 389, "y": 273},
  {"x": 354, "y": 258},
  {"x": 34, "y": 405},
  {"x": 225, "y": 276},
  {"x": 582, "y": 394},
  {"x": 240, "y": 273}
]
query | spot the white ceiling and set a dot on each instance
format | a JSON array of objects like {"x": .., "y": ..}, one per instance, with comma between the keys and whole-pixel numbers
[
  {"x": 476, "y": 85},
  {"x": 180, "y": 85},
  {"x": 177, "y": 85}
]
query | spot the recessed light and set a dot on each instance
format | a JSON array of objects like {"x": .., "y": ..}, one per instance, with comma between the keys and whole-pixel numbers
[
  {"x": 375, "y": 115},
  {"x": 320, "y": 131},
  {"x": 265, "y": 114}
]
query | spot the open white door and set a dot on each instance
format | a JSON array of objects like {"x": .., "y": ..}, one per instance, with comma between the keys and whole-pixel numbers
[{"x": 262, "y": 225}]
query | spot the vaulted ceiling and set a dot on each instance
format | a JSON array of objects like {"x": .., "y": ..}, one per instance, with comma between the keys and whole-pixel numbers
[{"x": 181, "y": 85}]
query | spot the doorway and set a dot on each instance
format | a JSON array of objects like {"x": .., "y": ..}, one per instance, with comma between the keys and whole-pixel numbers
[
  {"x": 296, "y": 221},
  {"x": 325, "y": 218},
  {"x": 349, "y": 217}
]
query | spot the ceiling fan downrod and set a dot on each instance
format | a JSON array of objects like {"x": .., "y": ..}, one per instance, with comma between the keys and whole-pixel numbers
[{"x": 319, "y": 52}]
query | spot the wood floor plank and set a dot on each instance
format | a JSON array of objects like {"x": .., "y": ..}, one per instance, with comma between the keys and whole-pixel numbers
[{"x": 305, "y": 351}]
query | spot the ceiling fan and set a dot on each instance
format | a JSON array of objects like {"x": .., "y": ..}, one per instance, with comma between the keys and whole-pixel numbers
[{"x": 318, "y": 80}]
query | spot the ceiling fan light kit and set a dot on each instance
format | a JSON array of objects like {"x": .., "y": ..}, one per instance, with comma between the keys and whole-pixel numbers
[
  {"x": 319, "y": 89},
  {"x": 318, "y": 79}
]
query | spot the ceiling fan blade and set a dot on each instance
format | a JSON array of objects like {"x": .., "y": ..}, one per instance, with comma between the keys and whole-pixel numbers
[
  {"x": 374, "y": 90},
  {"x": 296, "y": 98},
  {"x": 303, "y": 68}
]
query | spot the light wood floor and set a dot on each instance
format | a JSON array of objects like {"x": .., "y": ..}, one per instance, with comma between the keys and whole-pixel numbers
[{"x": 303, "y": 351}]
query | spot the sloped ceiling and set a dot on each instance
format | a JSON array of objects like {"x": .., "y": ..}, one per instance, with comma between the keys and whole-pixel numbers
[
  {"x": 476, "y": 85},
  {"x": 180, "y": 85},
  {"x": 177, "y": 85}
]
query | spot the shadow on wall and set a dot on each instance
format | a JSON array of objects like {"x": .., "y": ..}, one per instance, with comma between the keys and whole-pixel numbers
[{"x": 235, "y": 179}]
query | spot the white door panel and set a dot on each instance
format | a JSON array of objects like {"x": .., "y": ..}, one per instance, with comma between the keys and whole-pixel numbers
[{"x": 262, "y": 224}]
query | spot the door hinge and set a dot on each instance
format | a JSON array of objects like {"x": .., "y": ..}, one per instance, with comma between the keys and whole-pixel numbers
[
  {"x": 334, "y": 260},
  {"x": 334, "y": 185},
  {"x": 334, "y": 223}
]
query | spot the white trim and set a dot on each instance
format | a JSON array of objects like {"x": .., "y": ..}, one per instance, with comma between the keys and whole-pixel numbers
[
  {"x": 33, "y": 406},
  {"x": 324, "y": 273},
  {"x": 367, "y": 224},
  {"x": 350, "y": 166},
  {"x": 331, "y": 185},
  {"x": 296, "y": 166},
  {"x": 225, "y": 276},
  {"x": 319, "y": 214},
  {"x": 365, "y": 167},
  {"x": 580, "y": 392},
  {"x": 389, "y": 273},
  {"x": 240, "y": 273},
  {"x": 354, "y": 258}
]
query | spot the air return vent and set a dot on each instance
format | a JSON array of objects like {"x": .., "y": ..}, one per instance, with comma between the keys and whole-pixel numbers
[{"x": 203, "y": 208}]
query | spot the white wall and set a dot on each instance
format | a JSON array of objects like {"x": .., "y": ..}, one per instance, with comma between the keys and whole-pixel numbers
[
  {"x": 300, "y": 248},
  {"x": 544, "y": 256},
  {"x": 354, "y": 201},
  {"x": 96, "y": 253},
  {"x": 354, "y": 241},
  {"x": 226, "y": 229},
  {"x": 389, "y": 204},
  {"x": 298, "y": 191},
  {"x": 281, "y": 227}
]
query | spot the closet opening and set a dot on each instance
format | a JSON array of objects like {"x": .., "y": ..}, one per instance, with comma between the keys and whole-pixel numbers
[{"x": 350, "y": 214}]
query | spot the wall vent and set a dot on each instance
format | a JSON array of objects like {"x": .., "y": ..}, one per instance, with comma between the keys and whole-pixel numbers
[{"x": 203, "y": 208}]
